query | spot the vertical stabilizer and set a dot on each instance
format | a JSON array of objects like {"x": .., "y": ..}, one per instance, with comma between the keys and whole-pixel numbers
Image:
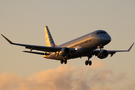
[{"x": 48, "y": 37}]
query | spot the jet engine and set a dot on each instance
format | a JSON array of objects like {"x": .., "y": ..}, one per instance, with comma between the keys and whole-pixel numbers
[
  {"x": 65, "y": 51},
  {"x": 102, "y": 54}
]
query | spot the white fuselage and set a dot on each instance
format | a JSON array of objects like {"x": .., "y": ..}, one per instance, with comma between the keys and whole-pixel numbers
[{"x": 84, "y": 44}]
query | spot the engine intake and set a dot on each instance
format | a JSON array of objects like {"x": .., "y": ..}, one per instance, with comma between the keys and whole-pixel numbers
[
  {"x": 102, "y": 54},
  {"x": 65, "y": 51}
]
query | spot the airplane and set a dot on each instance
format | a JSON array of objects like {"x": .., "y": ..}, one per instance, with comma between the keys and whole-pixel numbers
[{"x": 85, "y": 46}]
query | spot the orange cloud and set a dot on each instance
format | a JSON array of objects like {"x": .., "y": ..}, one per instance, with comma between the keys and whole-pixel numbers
[
  {"x": 8, "y": 81},
  {"x": 52, "y": 79},
  {"x": 97, "y": 64},
  {"x": 64, "y": 78}
]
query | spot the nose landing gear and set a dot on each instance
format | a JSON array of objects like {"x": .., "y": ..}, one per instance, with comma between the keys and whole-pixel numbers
[{"x": 100, "y": 47}]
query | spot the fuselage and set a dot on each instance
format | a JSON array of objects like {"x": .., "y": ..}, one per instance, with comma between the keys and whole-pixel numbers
[{"x": 84, "y": 44}]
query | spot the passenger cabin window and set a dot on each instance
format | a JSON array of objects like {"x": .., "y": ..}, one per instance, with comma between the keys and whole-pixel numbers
[{"x": 101, "y": 32}]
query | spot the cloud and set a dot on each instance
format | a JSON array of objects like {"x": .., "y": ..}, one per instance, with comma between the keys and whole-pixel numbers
[
  {"x": 52, "y": 79},
  {"x": 66, "y": 78},
  {"x": 8, "y": 81},
  {"x": 97, "y": 64}
]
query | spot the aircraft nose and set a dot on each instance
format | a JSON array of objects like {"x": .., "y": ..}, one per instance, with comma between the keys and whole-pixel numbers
[{"x": 107, "y": 38}]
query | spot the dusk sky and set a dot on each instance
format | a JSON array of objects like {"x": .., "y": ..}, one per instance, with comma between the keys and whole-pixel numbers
[{"x": 23, "y": 21}]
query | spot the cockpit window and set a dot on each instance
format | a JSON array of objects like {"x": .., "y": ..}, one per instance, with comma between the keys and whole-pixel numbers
[
  {"x": 101, "y": 32},
  {"x": 97, "y": 32}
]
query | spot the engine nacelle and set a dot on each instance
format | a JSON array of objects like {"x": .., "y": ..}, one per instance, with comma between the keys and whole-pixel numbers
[
  {"x": 65, "y": 51},
  {"x": 102, "y": 54}
]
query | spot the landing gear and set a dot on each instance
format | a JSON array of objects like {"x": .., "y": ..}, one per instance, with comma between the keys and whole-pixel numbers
[
  {"x": 64, "y": 60},
  {"x": 61, "y": 61},
  {"x": 88, "y": 62},
  {"x": 101, "y": 47}
]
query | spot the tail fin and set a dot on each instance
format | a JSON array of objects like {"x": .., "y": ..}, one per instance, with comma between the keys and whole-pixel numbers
[{"x": 48, "y": 37}]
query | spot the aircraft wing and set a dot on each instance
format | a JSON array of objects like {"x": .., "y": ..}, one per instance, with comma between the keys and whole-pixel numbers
[
  {"x": 112, "y": 52},
  {"x": 35, "y": 47}
]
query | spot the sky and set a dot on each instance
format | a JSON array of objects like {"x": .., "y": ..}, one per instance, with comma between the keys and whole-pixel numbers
[{"x": 23, "y": 21}]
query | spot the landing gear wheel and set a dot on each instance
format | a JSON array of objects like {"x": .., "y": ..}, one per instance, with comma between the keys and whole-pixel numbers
[
  {"x": 86, "y": 62},
  {"x": 65, "y": 62},
  {"x": 61, "y": 61},
  {"x": 90, "y": 63}
]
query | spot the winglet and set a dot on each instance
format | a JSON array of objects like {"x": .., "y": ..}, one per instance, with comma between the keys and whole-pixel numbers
[
  {"x": 130, "y": 47},
  {"x": 7, "y": 39}
]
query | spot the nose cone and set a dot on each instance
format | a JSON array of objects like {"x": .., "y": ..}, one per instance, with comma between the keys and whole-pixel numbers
[
  {"x": 106, "y": 38},
  {"x": 103, "y": 37}
]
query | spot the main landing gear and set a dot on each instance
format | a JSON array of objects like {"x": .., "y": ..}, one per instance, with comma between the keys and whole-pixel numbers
[
  {"x": 64, "y": 60},
  {"x": 88, "y": 62}
]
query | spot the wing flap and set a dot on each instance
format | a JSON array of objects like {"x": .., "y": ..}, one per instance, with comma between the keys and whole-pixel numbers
[
  {"x": 39, "y": 53},
  {"x": 43, "y": 48}
]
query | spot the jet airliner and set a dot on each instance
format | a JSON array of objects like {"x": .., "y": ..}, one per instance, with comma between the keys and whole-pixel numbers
[{"x": 88, "y": 45}]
